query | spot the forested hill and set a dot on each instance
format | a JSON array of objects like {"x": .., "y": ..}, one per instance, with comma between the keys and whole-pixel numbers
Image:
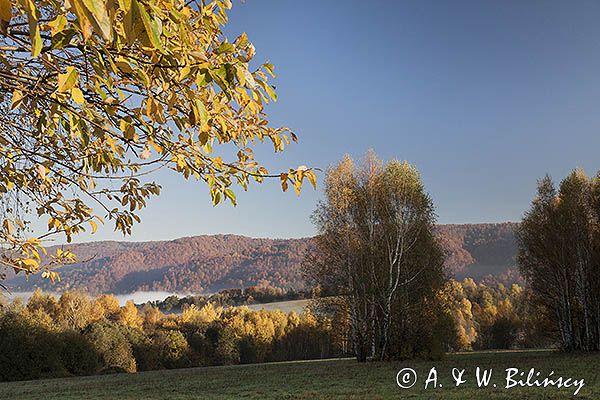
[
  {"x": 211, "y": 263},
  {"x": 481, "y": 250}
]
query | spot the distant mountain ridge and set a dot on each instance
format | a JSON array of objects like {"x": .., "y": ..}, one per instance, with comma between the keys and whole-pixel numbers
[{"x": 208, "y": 263}]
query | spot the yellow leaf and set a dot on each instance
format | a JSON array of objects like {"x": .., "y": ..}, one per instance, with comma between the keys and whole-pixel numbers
[
  {"x": 34, "y": 28},
  {"x": 94, "y": 226},
  {"x": 67, "y": 80},
  {"x": 157, "y": 148},
  {"x": 92, "y": 14},
  {"x": 29, "y": 262},
  {"x": 77, "y": 95},
  {"x": 17, "y": 98},
  {"x": 284, "y": 183},
  {"x": 145, "y": 153},
  {"x": 200, "y": 113},
  {"x": 151, "y": 25},
  {"x": 312, "y": 178},
  {"x": 297, "y": 186},
  {"x": 133, "y": 26},
  {"x": 5, "y": 15},
  {"x": 184, "y": 73},
  {"x": 99, "y": 16},
  {"x": 82, "y": 15},
  {"x": 58, "y": 24}
]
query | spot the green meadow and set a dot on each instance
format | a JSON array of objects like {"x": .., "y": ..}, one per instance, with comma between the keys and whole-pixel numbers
[{"x": 327, "y": 379}]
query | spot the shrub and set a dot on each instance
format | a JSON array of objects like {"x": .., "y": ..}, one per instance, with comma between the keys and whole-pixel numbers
[
  {"x": 78, "y": 355},
  {"x": 28, "y": 350},
  {"x": 172, "y": 348}
]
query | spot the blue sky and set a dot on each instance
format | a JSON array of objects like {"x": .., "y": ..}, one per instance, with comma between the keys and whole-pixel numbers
[{"x": 484, "y": 97}]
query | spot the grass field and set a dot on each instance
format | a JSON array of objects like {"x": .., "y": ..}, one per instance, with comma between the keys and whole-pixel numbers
[
  {"x": 330, "y": 379},
  {"x": 286, "y": 306}
]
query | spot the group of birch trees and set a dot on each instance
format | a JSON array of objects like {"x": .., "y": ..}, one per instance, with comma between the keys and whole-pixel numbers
[
  {"x": 559, "y": 255},
  {"x": 377, "y": 254}
]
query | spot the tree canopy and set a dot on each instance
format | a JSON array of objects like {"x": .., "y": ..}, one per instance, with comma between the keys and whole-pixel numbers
[
  {"x": 376, "y": 249},
  {"x": 95, "y": 96},
  {"x": 559, "y": 255}
]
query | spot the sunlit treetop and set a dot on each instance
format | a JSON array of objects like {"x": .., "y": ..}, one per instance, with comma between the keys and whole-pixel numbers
[{"x": 97, "y": 95}]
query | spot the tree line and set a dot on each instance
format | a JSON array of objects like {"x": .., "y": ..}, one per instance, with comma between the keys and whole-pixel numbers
[
  {"x": 378, "y": 257},
  {"x": 262, "y": 293},
  {"x": 496, "y": 317},
  {"x": 77, "y": 335}
]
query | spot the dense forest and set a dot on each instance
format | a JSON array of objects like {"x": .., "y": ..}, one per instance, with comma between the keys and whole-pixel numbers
[
  {"x": 195, "y": 264},
  {"x": 208, "y": 264}
]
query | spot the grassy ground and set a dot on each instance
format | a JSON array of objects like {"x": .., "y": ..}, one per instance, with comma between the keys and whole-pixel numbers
[
  {"x": 286, "y": 306},
  {"x": 331, "y": 379}
]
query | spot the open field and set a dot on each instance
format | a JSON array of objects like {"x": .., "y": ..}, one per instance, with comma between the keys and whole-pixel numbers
[
  {"x": 286, "y": 306},
  {"x": 329, "y": 379}
]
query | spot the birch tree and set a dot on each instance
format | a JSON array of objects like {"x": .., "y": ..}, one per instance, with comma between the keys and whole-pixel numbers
[
  {"x": 407, "y": 220},
  {"x": 559, "y": 254},
  {"x": 376, "y": 248}
]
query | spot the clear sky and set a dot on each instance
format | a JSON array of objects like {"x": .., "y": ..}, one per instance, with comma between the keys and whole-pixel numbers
[{"x": 484, "y": 97}]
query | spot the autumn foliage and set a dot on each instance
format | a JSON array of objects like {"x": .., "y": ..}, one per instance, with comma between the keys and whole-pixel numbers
[
  {"x": 96, "y": 96},
  {"x": 559, "y": 255},
  {"x": 77, "y": 335}
]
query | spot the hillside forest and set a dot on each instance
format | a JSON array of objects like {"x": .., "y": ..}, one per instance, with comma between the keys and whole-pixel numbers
[{"x": 208, "y": 264}]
